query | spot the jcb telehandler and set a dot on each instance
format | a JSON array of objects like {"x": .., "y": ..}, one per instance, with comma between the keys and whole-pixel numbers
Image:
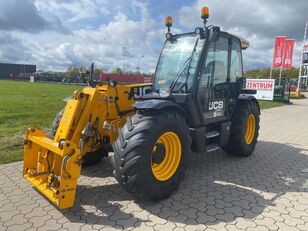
[{"x": 196, "y": 102}]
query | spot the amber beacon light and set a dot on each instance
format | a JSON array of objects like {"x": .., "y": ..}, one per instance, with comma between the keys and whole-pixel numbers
[
  {"x": 204, "y": 12},
  {"x": 168, "y": 21}
]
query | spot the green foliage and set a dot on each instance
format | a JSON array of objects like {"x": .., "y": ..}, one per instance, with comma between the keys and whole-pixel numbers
[
  {"x": 264, "y": 104},
  {"x": 72, "y": 71},
  {"x": 97, "y": 71},
  {"x": 116, "y": 70},
  {"x": 265, "y": 73}
]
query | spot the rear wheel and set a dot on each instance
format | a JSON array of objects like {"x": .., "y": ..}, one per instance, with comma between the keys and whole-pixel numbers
[
  {"x": 150, "y": 153},
  {"x": 244, "y": 130},
  {"x": 89, "y": 159}
]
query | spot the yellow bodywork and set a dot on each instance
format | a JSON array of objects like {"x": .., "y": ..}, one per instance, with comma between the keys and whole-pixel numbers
[{"x": 53, "y": 165}]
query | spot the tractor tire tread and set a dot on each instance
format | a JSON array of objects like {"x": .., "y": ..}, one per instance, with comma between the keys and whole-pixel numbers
[{"x": 128, "y": 160}]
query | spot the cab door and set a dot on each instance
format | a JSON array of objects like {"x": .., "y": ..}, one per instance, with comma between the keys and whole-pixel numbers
[{"x": 213, "y": 81}]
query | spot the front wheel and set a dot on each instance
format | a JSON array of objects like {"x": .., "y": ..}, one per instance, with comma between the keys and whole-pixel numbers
[
  {"x": 244, "y": 130},
  {"x": 150, "y": 153}
]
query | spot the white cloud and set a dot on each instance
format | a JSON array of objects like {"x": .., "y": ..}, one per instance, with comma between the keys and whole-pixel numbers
[
  {"x": 102, "y": 45},
  {"x": 13, "y": 48},
  {"x": 257, "y": 21},
  {"x": 129, "y": 23},
  {"x": 24, "y": 16},
  {"x": 75, "y": 10}
]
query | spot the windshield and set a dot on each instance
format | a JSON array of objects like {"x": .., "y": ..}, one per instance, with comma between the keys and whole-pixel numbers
[{"x": 176, "y": 55}]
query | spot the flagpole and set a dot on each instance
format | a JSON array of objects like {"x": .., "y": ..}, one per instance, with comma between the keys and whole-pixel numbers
[
  {"x": 271, "y": 73},
  {"x": 301, "y": 63},
  {"x": 282, "y": 63}
]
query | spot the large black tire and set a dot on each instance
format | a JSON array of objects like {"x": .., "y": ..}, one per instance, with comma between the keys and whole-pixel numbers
[
  {"x": 238, "y": 144},
  {"x": 88, "y": 159},
  {"x": 133, "y": 153},
  {"x": 55, "y": 124},
  {"x": 93, "y": 158}
]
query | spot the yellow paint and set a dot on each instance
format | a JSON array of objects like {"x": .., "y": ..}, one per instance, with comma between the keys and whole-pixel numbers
[
  {"x": 250, "y": 128},
  {"x": 53, "y": 166},
  {"x": 173, "y": 153}
]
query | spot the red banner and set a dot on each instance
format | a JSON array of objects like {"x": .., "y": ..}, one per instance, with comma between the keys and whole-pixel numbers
[
  {"x": 278, "y": 52},
  {"x": 288, "y": 53}
]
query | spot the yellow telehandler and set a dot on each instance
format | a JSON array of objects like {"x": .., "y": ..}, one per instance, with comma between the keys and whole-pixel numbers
[{"x": 196, "y": 102}]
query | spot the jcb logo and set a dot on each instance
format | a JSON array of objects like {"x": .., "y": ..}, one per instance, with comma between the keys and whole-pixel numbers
[
  {"x": 138, "y": 92},
  {"x": 215, "y": 105}
]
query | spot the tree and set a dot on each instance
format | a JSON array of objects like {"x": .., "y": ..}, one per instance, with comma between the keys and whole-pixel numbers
[
  {"x": 97, "y": 71},
  {"x": 265, "y": 73},
  {"x": 116, "y": 70},
  {"x": 73, "y": 72}
]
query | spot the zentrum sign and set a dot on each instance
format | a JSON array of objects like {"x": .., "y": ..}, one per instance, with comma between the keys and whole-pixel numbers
[{"x": 264, "y": 87}]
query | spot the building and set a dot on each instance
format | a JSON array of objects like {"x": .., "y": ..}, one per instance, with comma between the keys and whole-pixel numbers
[
  {"x": 303, "y": 78},
  {"x": 10, "y": 70}
]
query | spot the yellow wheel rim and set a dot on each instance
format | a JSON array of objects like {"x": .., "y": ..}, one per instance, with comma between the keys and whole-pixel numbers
[
  {"x": 250, "y": 128},
  {"x": 171, "y": 158}
]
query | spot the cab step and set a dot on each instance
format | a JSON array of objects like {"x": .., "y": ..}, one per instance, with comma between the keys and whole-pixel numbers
[
  {"x": 212, "y": 134},
  {"x": 211, "y": 147}
]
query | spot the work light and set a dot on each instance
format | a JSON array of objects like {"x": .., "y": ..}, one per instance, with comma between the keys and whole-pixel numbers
[{"x": 204, "y": 12}]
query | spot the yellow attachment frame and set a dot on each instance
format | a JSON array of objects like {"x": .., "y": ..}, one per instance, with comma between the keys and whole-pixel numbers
[
  {"x": 53, "y": 168},
  {"x": 53, "y": 165}
]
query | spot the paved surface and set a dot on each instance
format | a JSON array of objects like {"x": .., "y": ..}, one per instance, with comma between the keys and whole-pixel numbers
[{"x": 267, "y": 191}]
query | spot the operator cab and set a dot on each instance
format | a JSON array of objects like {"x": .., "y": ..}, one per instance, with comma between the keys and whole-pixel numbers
[{"x": 201, "y": 71}]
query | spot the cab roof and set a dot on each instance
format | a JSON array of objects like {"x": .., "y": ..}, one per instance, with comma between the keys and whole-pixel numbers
[{"x": 244, "y": 42}]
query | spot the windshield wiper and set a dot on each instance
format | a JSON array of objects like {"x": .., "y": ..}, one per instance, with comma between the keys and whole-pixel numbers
[
  {"x": 184, "y": 69},
  {"x": 181, "y": 72}
]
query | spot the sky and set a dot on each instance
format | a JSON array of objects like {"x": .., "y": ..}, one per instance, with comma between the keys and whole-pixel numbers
[{"x": 54, "y": 34}]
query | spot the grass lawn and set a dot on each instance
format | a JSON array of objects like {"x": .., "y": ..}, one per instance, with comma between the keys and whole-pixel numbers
[
  {"x": 264, "y": 104},
  {"x": 24, "y": 104}
]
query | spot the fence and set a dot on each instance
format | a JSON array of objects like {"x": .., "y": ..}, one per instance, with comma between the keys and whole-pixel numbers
[{"x": 282, "y": 92}]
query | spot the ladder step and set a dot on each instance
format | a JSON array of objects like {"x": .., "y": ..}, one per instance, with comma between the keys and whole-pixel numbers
[
  {"x": 211, "y": 147},
  {"x": 211, "y": 134}
]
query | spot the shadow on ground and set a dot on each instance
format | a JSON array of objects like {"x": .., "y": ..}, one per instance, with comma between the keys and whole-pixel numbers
[{"x": 218, "y": 188}]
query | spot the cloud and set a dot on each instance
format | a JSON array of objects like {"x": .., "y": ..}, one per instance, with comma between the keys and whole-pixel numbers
[
  {"x": 76, "y": 10},
  {"x": 24, "y": 16},
  {"x": 13, "y": 49},
  {"x": 103, "y": 45},
  {"x": 257, "y": 21},
  {"x": 100, "y": 28}
]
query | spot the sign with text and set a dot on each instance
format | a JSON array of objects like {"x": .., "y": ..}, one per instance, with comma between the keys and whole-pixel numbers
[{"x": 264, "y": 87}]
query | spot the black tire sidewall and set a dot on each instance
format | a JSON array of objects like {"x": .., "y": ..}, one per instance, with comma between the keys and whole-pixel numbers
[
  {"x": 157, "y": 123},
  {"x": 249, "y": 148},
  {"x": 237, "y": 144},
  {"x": 163, "y": 128}
]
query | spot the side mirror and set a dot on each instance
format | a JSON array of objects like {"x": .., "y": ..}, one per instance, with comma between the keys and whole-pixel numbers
[{"x": 214, "y": 33}]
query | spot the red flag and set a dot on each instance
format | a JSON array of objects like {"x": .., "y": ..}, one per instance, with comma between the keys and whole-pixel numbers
[
  {"x": 288, "y": 53},
  {"x": 278, "y": 52}
]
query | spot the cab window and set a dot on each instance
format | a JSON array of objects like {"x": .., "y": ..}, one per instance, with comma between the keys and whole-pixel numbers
[
  {"x": 236, "y": 60},
  {"x": 215, "y": 68}
]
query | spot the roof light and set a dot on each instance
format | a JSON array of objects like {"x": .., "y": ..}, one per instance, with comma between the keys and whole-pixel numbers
[
  {"x": 168, "y": 21},
  {"x": 204, "y": 12}
]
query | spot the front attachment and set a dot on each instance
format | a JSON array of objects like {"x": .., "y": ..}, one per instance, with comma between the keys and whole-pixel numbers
[{"x": 52, "y": 167}]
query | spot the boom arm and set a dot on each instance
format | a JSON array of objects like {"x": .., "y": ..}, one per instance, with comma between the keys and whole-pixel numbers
[{"x": 90, "y": 119}]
